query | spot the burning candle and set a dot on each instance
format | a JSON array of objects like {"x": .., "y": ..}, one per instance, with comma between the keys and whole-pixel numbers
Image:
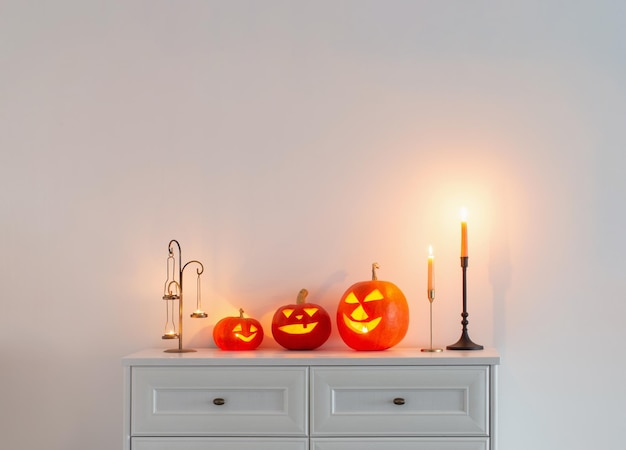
[
  {"x": 431, "y": 281},
  {"x": 463, "y": 232}
]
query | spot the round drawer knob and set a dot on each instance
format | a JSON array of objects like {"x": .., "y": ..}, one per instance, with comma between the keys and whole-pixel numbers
[
  {"x": 218, "y": 401},
  {"x": 398, "y": 401}
]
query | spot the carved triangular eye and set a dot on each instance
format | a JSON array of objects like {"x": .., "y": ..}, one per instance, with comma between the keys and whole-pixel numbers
[
  {"x": 310, "y": 311},
  {"x": 373, "y": 296},
  {"x": 237, "y": 328},
  {"x": 351, "y": 298},
  {"x": 287, "y": 312},
  {"x": 253, "y": 329}
]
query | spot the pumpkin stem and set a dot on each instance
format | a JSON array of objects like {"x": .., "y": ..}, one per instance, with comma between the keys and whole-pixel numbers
[
  {"x": 241, "y": 313},
  {"x": 374, "y": 267},
  {"x": 302, "y": 296}
]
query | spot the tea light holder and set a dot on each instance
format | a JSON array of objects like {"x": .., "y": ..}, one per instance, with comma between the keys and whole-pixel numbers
[{"x": 173, "y": 292}]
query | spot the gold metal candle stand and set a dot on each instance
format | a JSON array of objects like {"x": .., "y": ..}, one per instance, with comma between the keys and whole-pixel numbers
[
  {"x": 431, "y": 298},
  {"x": 173, "y": 291},
  {"x": 464, "y": 342}
]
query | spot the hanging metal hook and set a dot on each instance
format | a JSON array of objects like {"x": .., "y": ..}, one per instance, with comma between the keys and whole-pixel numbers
[{"x": 173, "y": 290}]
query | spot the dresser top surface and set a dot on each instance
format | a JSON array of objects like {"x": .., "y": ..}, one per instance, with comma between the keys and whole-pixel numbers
[{"x": 328, "y": 357}]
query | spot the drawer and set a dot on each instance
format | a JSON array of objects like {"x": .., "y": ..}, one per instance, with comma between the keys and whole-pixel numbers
[
  {"x": 219, "y": 401},
  {"x": 168, "y": 443},
  {"x": 400, "y": 401},
  {"x": 400, "y": 444}
]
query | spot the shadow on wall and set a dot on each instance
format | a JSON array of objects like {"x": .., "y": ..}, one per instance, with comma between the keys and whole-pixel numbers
[
  {"x": 336, "y": 278},
  {"x": 200, "y": 335},
  {"x": 500, "y": 265}
]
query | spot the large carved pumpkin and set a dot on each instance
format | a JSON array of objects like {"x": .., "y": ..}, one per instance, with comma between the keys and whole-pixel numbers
[
  {"x": 238, "y": 333},
  {"x": 373, "y": 315},
  {"x": 301, "y": 326}
]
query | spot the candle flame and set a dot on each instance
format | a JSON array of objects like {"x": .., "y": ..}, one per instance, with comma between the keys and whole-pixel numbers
[
  {"x": 430, "y": 251},
  {"x": 464, "y": 214}
]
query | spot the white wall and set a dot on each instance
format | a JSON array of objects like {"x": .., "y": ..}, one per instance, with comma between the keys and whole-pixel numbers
[{"x": 289, "y": 144}]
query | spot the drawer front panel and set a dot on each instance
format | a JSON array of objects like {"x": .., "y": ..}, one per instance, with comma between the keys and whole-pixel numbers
[
  {"x": 219, "y": 401},
  {"x": 401, "y": 401},
  {"x": 165, "y": 443},
  {"x": 401, "y": 444}
]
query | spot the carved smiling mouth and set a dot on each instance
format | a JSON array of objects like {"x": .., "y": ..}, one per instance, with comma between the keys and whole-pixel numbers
[
  {"x": 245, "y": 338},
  {"x": 298, "y": 328},
  {"x": 361, "y": 327}
]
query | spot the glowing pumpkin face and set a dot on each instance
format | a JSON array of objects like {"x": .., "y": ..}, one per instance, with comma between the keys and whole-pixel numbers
[
  {"x": 373, "y": 315},
  {"x": 301, "y": 326},
  {"x": 238, "y": 333}
]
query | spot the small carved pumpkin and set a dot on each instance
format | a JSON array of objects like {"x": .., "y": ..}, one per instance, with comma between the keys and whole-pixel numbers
[
  {"x": 301, "y": 326},
  {"x": 238, "y": 333},
  {"x": 373, "y": 315}
]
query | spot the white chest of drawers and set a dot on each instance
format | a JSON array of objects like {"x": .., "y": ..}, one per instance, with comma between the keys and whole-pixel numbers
[{"x": 398, "y": 399}]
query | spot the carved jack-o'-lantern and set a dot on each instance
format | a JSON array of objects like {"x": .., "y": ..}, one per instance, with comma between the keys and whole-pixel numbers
[
  {"x": 373, "y": 315},
  {"x": 301, "y": 326},
  {"x": 238, "y": 333}
]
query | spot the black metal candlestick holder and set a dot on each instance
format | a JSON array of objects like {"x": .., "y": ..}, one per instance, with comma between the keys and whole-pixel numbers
[{"x": 464, "y": 342}]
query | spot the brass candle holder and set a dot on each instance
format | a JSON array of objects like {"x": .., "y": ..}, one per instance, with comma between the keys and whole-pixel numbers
[
  {"x": 173, "y": 291},
  {"x": 431, "y": 298}
]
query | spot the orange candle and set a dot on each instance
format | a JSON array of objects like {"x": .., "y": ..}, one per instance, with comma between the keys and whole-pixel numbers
[
  {"x": 431, "y": 281},
  {"x": 463, "y": 232}
]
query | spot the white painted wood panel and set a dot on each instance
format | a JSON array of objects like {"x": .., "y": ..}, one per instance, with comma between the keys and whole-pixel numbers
[
  {"x": 272, "y": 401},
  {"x": 433, "y": 401},
  {"x": 396, "y": 356},
  {"x": 400, "y": 444},
  {"x": 183, "y": 401},
  {"x": 181, "y": 443}
]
